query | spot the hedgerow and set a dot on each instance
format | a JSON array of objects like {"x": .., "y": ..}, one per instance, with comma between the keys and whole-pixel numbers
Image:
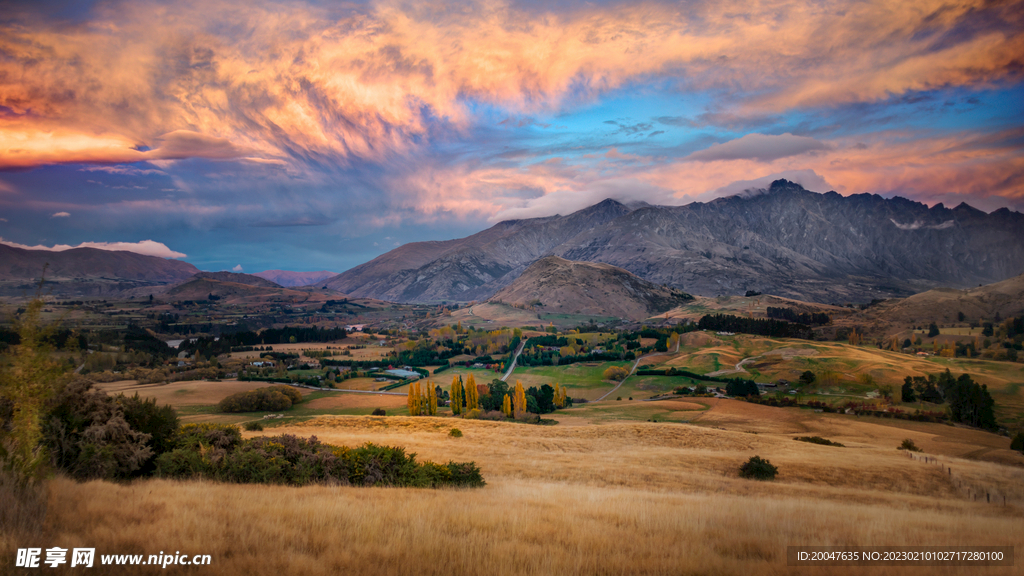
[{"x": 211, "y": 451}]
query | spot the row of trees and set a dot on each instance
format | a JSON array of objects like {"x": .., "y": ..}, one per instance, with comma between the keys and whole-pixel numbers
[{"x": 969, "y": 402}]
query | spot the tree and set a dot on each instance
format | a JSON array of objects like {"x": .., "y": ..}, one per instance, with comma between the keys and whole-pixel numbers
[
  {"x": 933, "y": 330},
  {"x": 758, "y": 469},
  {"x": 742, "y": 388},
  {"x": 506, "y": 406},
  {"x": 971, "y": 403},
  {"x": 412, "y": 401},
  {"x": 545, "y": 399},
  {"x": 807, "y": 377},
  {"x": 472, "y": 394},
  {"x": 1018, "y": 442},
  {"x": 431, "y": 400},
  {"x": 617, "y": 373},
  {"x": 31, "y": 378},
  {"x": 908, "y": 390},
  {"x": 456, "y": 396},
  {"x": 519, "y": 402}
]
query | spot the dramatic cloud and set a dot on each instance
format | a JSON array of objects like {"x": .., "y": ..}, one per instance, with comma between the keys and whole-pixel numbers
[
  {"x": 147, "y": 247},
  {"x": 209, "y": 79},
  {"x": 761, "y": 147},
  {"x": 60, "y": 215},
  {"x": 307, "y": 120},
  {"x": 237, "y": 268}
]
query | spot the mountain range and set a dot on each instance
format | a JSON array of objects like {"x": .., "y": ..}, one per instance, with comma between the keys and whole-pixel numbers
[{"x": 783, "y": 240}]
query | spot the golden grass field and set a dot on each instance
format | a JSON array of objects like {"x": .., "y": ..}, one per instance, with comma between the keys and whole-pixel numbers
[
  {"x": 580, "y": 497},
  {"x": 185, "y": 393}
]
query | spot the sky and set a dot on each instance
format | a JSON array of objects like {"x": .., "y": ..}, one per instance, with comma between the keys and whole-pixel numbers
[{"x": 253, "y": 135}]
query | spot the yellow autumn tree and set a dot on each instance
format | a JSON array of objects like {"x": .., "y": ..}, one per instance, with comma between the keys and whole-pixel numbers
[
  {"x": 431, "y": 399},
  {"x": 415, "y": 400},
  {"x": 506, "y": 406},
  {"x": 519, "y": 402},
  {"x": 472, "y": 395},
  {"x": 456, "y": 395},
  {"x": 560, "y": 396}
]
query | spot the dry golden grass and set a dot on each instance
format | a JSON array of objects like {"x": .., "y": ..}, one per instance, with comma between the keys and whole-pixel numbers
[
  {"x": 635, "y": 498},
  {"x": 342, "y": 400},
  {"x": 187, "y": 393}
]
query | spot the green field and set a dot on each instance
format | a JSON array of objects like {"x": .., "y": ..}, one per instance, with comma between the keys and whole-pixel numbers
[{"x": 582, "y": 380}]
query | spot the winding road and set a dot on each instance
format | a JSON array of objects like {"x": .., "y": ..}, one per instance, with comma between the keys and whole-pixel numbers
[{"x": 633, "y": 369}]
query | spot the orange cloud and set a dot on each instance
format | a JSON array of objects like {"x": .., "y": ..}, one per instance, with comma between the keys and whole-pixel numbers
[{"x": 278, "y": 82}]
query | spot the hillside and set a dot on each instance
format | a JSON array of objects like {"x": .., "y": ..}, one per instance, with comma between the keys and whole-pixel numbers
[
  {"x": 86, "y": 271},
  {"x": 553, "y": 284},
  {"x": 943, "y": 305},
  {"x": 784, "y": 240},
  {"x": 237, "y": 278},
  {"x": 291, "y": 279},
  {"x": 202, "y": 287}
]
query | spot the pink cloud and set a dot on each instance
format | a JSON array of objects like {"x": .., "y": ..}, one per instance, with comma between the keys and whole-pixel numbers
[{"x": 146, "y": 247}]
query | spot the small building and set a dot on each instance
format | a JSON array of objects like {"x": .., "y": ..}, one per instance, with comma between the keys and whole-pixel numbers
[{"x": 402, "y": 373}]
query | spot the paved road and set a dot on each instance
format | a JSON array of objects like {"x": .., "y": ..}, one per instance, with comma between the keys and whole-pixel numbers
[{"x": 515, "y": 358}]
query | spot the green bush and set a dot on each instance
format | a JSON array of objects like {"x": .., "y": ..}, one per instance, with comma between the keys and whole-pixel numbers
[
  {"x": 253, "y": 426},
  {"x": 208, "y": 435},
  {"x": 909, "y": 445},
  {"x": 818, "y": 440},
  {"x": 758, "y": 469},
  {"x": 378, "y": 412},
  {"x": 455, "y": 433},
  {"x": 297, "y": 461},
  {"x": 271, "y": 398}
]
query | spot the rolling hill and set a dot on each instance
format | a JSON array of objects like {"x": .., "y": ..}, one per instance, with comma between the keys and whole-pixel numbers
[{"x": 553, "y": 284}]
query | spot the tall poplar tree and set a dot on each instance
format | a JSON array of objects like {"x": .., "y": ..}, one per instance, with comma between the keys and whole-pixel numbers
[
  {"x": 472, "y": 394},
  {"x": 519, "y": 402},
  {"x": 456, "y": 395}
]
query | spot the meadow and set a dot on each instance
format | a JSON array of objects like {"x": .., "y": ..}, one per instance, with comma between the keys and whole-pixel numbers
[{"x": 586, "y": 496}]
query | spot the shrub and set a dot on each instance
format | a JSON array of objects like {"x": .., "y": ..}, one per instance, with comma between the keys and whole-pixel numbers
[
  {"x": 87, "y": 435},
  {"x": 455, "y": 433},
  {"x": 378, "y": 412},
  {"x": 253, "y": 426},
  {"x": 908, "y": 444},
  {"x": 617, "y": 373},
  {"x": 297, "y": 461},
  {"x": 267, "y": 399},
  {"x": 818, "y": 440},
  {"x": 472, "y": 414},
  {"x": 208, "y": 435},
  {"x": 758, "y": 469}
]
